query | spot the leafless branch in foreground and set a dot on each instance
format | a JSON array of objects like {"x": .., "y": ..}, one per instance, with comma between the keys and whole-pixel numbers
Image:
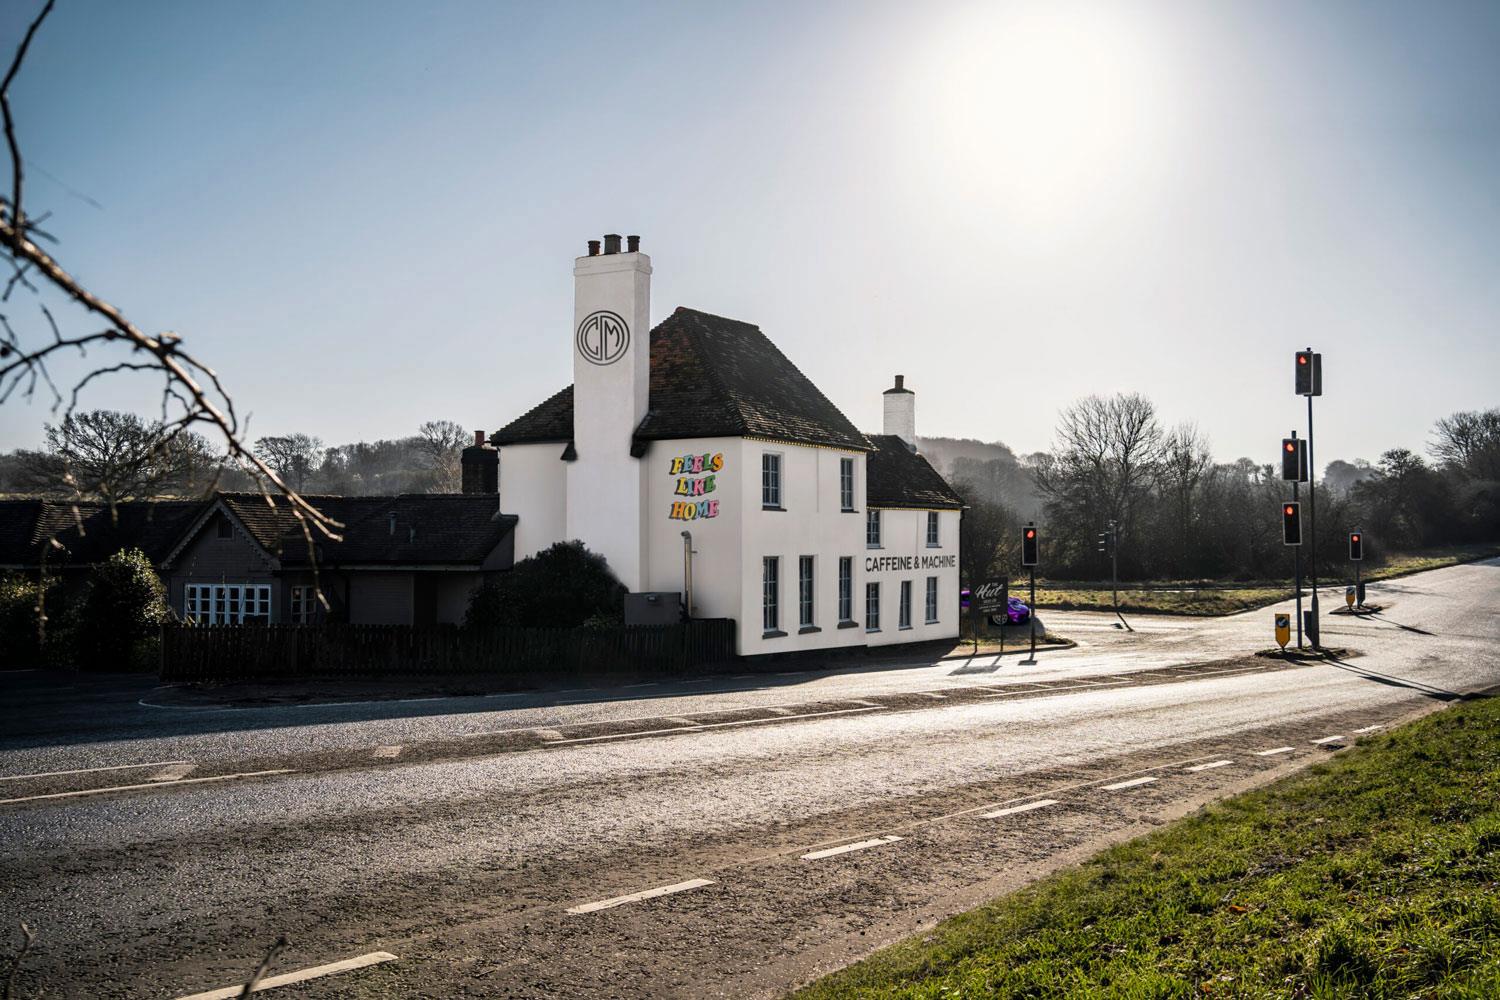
[
  {"x": 28, "y": 936},
  {"x": 265, "y": 964},
  {"x": 192, "y": 393}
]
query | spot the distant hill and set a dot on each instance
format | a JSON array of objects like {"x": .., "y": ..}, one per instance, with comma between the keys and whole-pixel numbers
[{"x": 988, "y": 470}]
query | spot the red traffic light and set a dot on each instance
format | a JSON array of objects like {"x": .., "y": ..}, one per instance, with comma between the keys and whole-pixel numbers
[
  {"x": 1030, "y": 532},
  {"x": 1353, "y": 538},
  {"x": 1290, "y": 510},
  {"x": 1302, "y": 359},
  {"x": 1290, "y": 447}
]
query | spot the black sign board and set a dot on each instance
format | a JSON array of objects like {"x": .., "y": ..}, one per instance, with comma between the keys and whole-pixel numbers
[{"x": 992, "y": 596}]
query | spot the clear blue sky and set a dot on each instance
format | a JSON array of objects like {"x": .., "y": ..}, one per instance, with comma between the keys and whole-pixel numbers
[{"x": 365, "y": 214}]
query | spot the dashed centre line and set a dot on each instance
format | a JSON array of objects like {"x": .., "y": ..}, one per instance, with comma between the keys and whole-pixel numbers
[
  {"x": 174, "y": 773},
  {"x": 1012, "y": 810},
  {"x": 149, "y": 784},
  {"x": 300, "y": 976},
  {"x": 91, "y": 770},
  {"x": 635, "y": 897},
  {"x": 1274, "y": 752},
  {"x": 1371, "y": 729},
  {"x": 1211, "y": 765},
  {"x": 1133, "y": 782},
  {"x": 1327, "y": 739},
  {"x": 700, "y": 726},
  {"x": 387, "y": 753},
  {"x": 862, "y": 845}
]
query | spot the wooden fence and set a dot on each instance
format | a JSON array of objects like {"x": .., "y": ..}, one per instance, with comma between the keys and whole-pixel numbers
[{"x": 281, "y": 652}]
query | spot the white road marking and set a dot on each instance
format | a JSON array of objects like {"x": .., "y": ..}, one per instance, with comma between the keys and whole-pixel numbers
[
  {"x": 635, "y": 897},
  {"x": 781, "y": 711},
  {"x": 1041, "y": 690},
  {"x": 131, "y": 788},
  {"x": 699, "y": 727},
  {"x": 1211, "y": 765},
  {"x": 90, "y": 770},
  {"x": 1011, "y": 810},
  {"x": 1128, "y": 784},
  {"x": 1327, "y": 739},
  {"x": 174, "y": 773},
  {"x": 387, "y": 753},
  {"x": 681, "y": 720},
  {"x": 301, "y": 976},
  {"x": 934, "y": 694},
  {"x": 1272, "y": 753},
  {"x": 863, "y": 845},
  {"x": 546, "y": 734},
  {"x": 864, "y": 701},
  {"x": 1371, "y": 729}
]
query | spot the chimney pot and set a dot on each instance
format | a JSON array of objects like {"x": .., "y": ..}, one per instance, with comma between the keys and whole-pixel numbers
[
  {"x": 593, "y": 248},
  {"x": 479, "y": 439},
  {"x": 632, "y": 244},
  {"x": 611, "y": 243},
  {"x": 900, "y": 381}
]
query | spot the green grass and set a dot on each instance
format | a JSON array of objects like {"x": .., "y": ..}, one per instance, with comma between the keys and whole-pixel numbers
[
  {"x": 1374, "y": 875},
  {"x": 1209, "y": 597}
]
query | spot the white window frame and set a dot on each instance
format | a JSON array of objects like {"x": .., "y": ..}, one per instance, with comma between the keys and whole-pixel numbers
[
  {"x": 872, "y": 607},
  {"x": 846, "y": 588},
  {"x": 770, "y": 594},
  {"x": 303, "y": 605},
  {"x": 903, "y": 606},
  {"x": 932, "y": 600},
  {"x": 226, "y": 603},
  {"x": 806, "y": 581},
  {"x": 872, "y": 529},
  {"x": 770, "y": 480},
  {"x": 846, "y": 485},
  {"x": 933, "y": 537}
]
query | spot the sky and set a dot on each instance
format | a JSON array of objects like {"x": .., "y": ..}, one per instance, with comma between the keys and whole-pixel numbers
[{"x": 364, "y": 215}]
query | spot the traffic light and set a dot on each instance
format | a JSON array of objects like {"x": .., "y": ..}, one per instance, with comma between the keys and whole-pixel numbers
[
  {"x": 1291, "y": 523},
  {"x": 1309, "y": 373},
  {"x": 1028, "y": 546},
  {"x": 1356, "y": 546},
  {"x": 1294, "y": 460},
  {"x": 1103, "y": 541}
]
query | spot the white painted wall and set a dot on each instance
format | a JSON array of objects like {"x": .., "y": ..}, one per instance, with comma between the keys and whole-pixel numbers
[
  {"x": 605, "y": 485},
  {"x": 716, "y": 539},
  {"x": 811, "y": 523},
  {"x": 905, "y": 555},
  {"x": 533, "y": 486}
]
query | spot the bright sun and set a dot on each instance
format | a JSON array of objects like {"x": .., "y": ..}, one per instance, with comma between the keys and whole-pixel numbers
[{"x": 1041, "y": 109}]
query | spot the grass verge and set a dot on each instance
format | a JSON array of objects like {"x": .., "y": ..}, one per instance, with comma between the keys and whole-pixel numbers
[
  {"x": 1373, "y": 875},
  {"x": 1200, "y": 597}
]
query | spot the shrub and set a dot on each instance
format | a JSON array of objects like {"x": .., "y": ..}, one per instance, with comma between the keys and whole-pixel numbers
[
  {"x": 20, "y": 630},
  {"x": 560, "y": 587},
  {"x": 118, "y": 617}
]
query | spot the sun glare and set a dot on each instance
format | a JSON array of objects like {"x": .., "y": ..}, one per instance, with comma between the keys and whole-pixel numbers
[{"x": 1041, "y": 110}]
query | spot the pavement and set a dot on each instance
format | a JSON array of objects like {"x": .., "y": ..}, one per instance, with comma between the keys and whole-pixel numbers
[{"x": 723, "y": 836}]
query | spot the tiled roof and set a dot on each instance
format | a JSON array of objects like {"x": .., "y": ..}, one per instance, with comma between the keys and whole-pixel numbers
[
  {"x": 899, "y": 477},
  {"x": 711, "y": 377},
  {"x": 428, "y": 528},
  {"x": 89, "y": 531}
]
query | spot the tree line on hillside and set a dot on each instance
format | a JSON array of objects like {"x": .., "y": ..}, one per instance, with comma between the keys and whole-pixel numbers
[
  {"x": 1183, "y": 515},
  {"x": 112, "y": 456}
]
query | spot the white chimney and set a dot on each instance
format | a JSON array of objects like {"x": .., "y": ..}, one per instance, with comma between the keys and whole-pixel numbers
[
  {"x": 901, "y": 412},
  {"x": 611, "y": 338}
]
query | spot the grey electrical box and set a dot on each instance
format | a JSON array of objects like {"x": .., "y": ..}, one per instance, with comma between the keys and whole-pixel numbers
[{"x": 653, "y": 608}]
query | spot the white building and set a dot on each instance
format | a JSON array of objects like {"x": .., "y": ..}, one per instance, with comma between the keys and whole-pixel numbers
[{"x": 700, "y": 434}]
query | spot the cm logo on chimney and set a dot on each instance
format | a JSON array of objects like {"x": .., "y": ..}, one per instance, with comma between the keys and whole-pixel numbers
[{"x": 603, "y": 337}]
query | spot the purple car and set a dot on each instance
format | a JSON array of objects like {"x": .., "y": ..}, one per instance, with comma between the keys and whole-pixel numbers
[{"x": 1016, "y": 613}]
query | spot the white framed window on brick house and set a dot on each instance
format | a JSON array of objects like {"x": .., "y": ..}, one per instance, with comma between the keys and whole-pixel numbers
[
  {"x": 227, "y": 603},
  {"x": 932, "y": 602},
  {"x": 904, "y": 616},
  {"x": 846, "y": 485},
  {"x": 846, "y": 589},
  {"x": 770, "y": 480},
  {"x": 872, "y": 529},
  {"x": 770, "y": 595},
  {"x": 872, "y": 607},
  {"x": 932, "y": 529},
  {"x": 805, "y": 592},
  {"x": 303, "y": 604}
]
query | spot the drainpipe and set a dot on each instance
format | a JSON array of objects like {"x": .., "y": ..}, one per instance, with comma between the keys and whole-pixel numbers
[{"x": 687, "y": 571}]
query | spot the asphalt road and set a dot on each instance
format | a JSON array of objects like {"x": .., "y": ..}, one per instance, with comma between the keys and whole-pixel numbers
[{"x": 458, "y": 833}]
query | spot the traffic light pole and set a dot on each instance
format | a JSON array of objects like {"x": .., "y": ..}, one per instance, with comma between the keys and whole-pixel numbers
[
  {"x": 1297, "y": 569},
  {"x": 1312, "y": 526},
  {"x": 1032, "y": 621}
]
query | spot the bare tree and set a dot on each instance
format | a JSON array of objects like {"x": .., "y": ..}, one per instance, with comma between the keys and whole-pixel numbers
[
  {"x": 293, "y": 456},
  {"x": 442, "y": 443},
  {"x": 1469, "y": 441},
  {"x": 192, "y": 393},
  {"x": 117, "y": 456}
]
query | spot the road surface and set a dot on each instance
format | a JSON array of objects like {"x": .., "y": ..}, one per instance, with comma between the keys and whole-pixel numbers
[{"x": 723, "y": 837}]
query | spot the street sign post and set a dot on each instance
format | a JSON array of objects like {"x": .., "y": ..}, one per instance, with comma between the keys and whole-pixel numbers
[{"x": 1283, "y": 629}]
